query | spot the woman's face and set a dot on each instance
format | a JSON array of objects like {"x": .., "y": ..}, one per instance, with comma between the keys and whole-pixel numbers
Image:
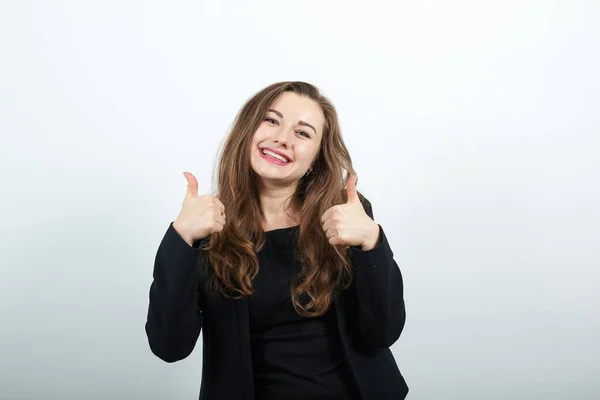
[{"x": 287, "y": 141}]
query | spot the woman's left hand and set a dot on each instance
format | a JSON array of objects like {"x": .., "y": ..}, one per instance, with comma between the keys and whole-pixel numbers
[{"x": 348, "y": 224}]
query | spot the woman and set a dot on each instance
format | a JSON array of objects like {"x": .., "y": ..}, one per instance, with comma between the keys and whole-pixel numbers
[{"x": 292, "y": 283}]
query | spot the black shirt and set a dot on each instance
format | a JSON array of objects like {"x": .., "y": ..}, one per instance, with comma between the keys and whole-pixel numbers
[
  {"x": 293, "y": 356},
  {"x": 370, "y": 317}
]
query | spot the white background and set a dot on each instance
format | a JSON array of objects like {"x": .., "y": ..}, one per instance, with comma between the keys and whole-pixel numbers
[{"x": 473, "y": 125}]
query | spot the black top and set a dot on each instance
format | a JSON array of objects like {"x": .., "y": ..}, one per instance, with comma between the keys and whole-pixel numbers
[
  {"x": 293, "y": 356},
  {"x": 370, "y": 317}
]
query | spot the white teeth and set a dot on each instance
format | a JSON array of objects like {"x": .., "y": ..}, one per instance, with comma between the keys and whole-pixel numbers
[{"x": 275, "y": 155}]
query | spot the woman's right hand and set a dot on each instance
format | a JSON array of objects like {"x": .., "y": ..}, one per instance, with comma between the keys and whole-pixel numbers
[{"x": 200, "y": 215}]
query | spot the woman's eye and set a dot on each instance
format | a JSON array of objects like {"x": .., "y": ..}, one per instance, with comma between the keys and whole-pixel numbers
[
  {"x": 304, "y": 133},
  {"x": 271, "y": 120}
]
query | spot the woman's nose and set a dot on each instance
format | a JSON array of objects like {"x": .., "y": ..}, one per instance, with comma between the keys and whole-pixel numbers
[{"x": 284, "y": 136}]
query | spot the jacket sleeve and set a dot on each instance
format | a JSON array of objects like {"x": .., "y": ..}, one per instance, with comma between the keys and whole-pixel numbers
[
  {"x": 174, "y": 315},
  {"x": 380, "y": 291}
]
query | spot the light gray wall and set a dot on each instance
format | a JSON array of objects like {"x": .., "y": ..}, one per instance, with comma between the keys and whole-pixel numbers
[{"x": 474, "y": 127}]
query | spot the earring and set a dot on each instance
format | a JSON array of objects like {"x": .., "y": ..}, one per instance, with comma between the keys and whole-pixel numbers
[{"x": 308, "y": 172}]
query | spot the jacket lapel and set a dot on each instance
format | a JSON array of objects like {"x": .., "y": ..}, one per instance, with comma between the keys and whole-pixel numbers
[{"x": 241, "y": 307}]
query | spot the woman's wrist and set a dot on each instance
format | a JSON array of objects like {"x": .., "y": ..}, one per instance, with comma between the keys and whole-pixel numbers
[{"x": 372, "y": 239}]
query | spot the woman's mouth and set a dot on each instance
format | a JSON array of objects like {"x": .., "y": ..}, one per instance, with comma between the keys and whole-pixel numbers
[{"x": 274, "y": 157}]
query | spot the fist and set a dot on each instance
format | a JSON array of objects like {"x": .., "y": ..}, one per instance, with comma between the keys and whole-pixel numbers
[
  {"x": 348, "y": 224},
  {"x": 200, "y": 216}
]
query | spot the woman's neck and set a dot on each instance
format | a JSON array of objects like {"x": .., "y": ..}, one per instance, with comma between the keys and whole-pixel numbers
[{"x": 277, "y": 209}]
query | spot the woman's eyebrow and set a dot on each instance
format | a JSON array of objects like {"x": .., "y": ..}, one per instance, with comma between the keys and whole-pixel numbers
[
  {"x": 307, "y": 124},
  {"x": 303, "y": 123},
  {"x": 276, "y": 112}
]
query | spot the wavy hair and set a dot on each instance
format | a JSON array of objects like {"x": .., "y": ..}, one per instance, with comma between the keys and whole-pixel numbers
[{"x": 326, "y": 269}]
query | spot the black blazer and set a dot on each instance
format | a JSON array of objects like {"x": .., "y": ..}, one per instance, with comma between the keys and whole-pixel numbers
[{"x": 370, "y": 315}]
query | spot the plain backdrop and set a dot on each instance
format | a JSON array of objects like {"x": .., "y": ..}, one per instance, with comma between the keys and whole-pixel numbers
[{"x": 473, "y": 126}]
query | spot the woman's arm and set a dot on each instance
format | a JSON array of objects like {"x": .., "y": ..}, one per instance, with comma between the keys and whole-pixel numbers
[
  {"x": 174, "y": 314},
  {"x": 380, "y": 291}
]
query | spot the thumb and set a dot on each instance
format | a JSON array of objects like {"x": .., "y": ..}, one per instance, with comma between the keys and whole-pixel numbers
[
  {"x": 192, "y": 186},
  {"x": 351, "y": 190}
]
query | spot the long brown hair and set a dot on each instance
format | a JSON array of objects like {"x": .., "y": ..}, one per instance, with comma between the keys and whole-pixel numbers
[{"x": 326, "y": 269}]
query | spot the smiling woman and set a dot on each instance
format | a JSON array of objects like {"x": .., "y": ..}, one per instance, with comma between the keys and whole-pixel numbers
[
  {"x": 291, "y": 281},
  {"x": 282, "y": 140}
]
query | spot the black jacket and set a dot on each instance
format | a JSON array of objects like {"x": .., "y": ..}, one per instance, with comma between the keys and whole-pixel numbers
[{"x": 370, "y": 316}]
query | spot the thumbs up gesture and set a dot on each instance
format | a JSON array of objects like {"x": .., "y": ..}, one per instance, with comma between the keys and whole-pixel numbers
[
  {"x": 200, "y": 216},
  {"x": 348, "y": 224}
]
